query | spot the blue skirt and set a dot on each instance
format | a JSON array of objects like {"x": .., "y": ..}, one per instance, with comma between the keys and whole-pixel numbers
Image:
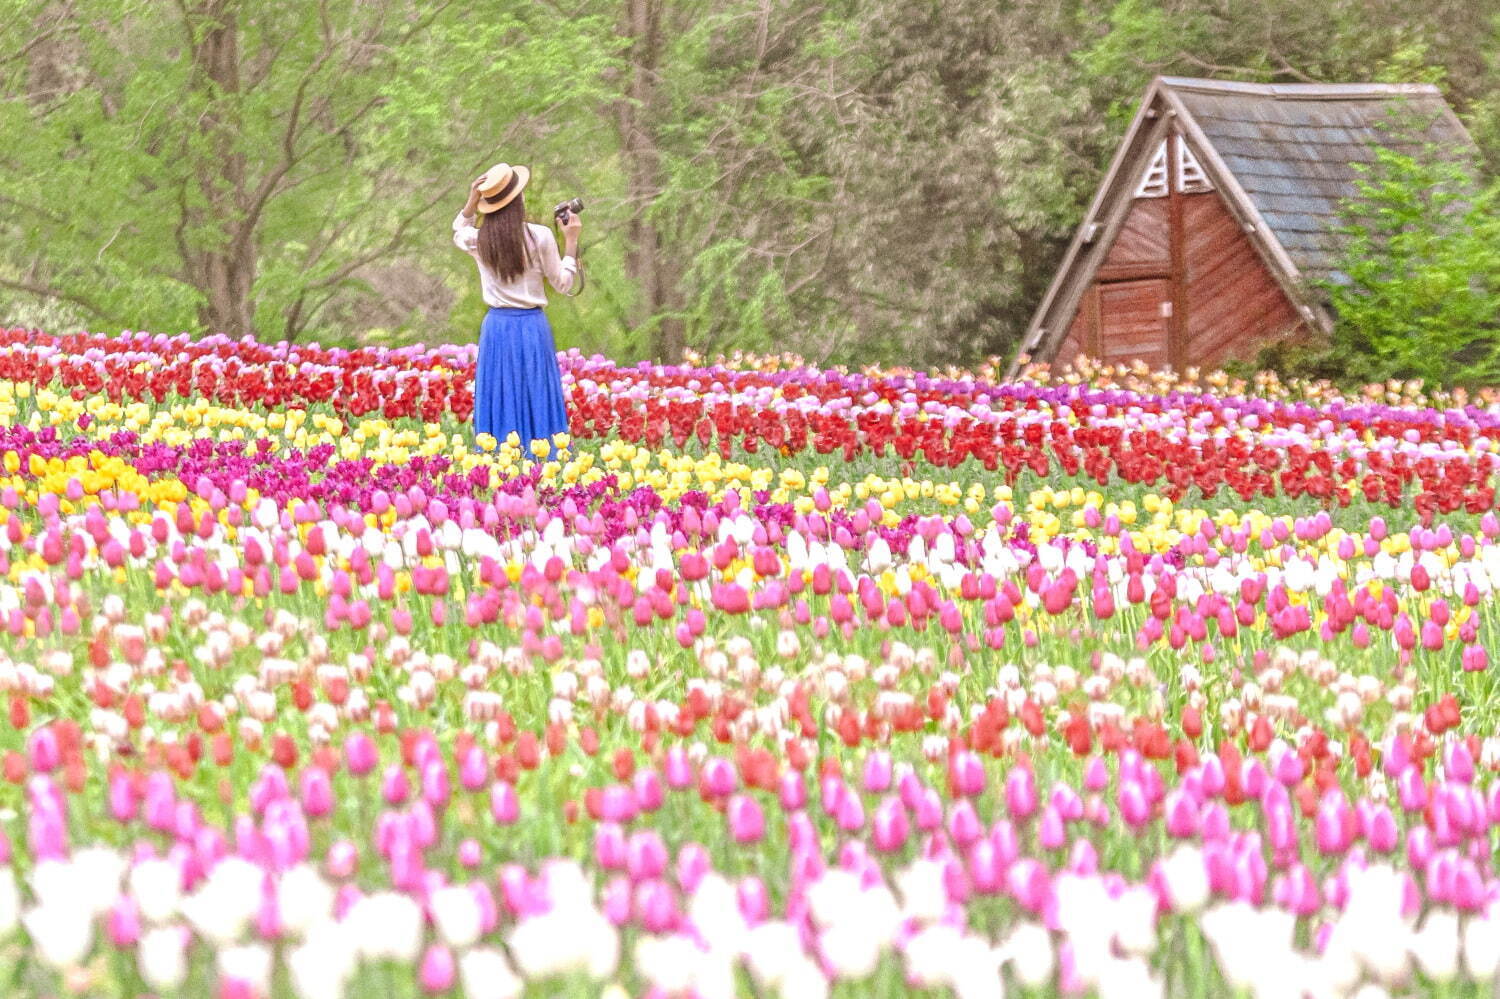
[{"x": 517, "y": 384}]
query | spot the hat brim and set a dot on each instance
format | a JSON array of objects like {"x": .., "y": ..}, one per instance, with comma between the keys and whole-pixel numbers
[{"x": 523, "y": 174}]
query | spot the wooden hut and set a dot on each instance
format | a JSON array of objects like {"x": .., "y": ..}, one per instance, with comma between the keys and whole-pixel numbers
[{"x": 1215, "y": 218}]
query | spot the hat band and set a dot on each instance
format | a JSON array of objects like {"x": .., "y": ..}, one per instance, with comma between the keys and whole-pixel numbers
[{"x": 500, "y": 195}]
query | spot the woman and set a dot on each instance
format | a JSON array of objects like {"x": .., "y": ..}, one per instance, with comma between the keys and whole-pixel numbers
[{"x": 517, "y": 384}]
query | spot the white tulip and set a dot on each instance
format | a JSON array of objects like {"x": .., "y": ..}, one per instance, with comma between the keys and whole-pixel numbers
[
  {"x": 387, "y": 925},
  {"x": 1187, "y": 879},
  {"x": 321, "y": 966},
  {"x": 667, "y": 962},
  {"x": 1340, "y": 967},
  {"x": 978, "y": 985},
  {"x": 1372, "y": 991},
  {"x": 1435, "y": 945},
  {"x": 61, "y": 934},
  {"x": 770, "y": 949},
  {"x": 1135, "y": 921},
  {"x": 567, "y": 886},
  {"x": 851, "y": 953},
  {"x": 226, "y": 901},
  {"x": 162, "y": 958},
  {"x": 98, "y": 871},
  {"x": 803, "y": 980},
  {"x": 1129, "y": 979},
  {"x": 975, "y": 973},
  {"x": 156, "y": 886},
  {"x": 456, "y": 913},
  {"x": 715, "y": 914},
  {"x": 932, "y": 954},
  {"x": 923, "y": 894},
  {"x": 10, "y": 901},
  {"x": 714, "y": 976},
  {"x": 567, "y": 939},
  {"x": 486, "y": 974},
  {"x": 598, "y": 943},
  {"x": 834, "y": 897},
  {"x": 1029, "y": 951},
  {"x": 306, "y": 899},
  {"x": 248, "y": 963},
  {"x": 1230, "y": 929},
  {"x": 1481, "y": 938}
]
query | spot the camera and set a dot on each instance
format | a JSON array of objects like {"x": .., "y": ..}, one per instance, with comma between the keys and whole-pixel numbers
[{"x": 561, "y": 211}]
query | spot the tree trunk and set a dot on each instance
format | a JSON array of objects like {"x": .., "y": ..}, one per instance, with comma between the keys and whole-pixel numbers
[
  {"x": 647, "y": 261},
  {"x": 223, "y": 268}
]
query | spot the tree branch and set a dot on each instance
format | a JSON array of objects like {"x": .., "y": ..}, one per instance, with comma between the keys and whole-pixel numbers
[
  {"x": 50, "y": 33},
  {"x": 48, "y": 292}
]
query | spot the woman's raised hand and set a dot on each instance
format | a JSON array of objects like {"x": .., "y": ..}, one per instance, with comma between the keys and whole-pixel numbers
[
  {"x": 473, "y": 203},
  {"x": 572, "y": 225}
]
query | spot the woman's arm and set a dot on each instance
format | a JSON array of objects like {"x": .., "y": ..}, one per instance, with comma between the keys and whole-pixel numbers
[
  {"x": 559, "y": 273},
  {"x": 465, "y": 235}
]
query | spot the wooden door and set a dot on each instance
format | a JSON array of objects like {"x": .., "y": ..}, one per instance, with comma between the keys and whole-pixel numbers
[{"x": 1134, "y": 320}]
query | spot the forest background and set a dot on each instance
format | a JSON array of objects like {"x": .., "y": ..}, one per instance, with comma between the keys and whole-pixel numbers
[{"x": 858, "y": 181}]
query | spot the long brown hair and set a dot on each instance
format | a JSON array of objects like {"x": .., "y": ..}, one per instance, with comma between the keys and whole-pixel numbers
[{"x": 504, "y": 243}]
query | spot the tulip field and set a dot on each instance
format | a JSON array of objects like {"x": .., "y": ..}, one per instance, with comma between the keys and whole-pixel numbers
[{"x": 765, "y": 681}]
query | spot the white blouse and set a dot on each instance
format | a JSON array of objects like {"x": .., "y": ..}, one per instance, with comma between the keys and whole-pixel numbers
[{"x": 524, "y": 292}]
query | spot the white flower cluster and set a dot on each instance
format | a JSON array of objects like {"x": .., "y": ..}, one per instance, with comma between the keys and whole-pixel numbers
[
  {"x": 571, "y": 937},
  {"x": 1372, "y": 950}
]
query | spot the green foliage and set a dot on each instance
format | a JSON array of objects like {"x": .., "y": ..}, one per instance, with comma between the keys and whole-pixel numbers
[
  {"x": 1418, "y": 295},
  {"x": 856, "y": 180},
  {"x": 240, "y": 166}
]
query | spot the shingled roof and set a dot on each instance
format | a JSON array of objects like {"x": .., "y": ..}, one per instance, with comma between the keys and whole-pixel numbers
[
  {"x": 1294, "y": 148},
  {"x": 1284, "y": 158}
]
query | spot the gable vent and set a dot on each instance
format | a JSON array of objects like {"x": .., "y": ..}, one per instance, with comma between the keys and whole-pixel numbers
[{"x": 1190, "y": 176}]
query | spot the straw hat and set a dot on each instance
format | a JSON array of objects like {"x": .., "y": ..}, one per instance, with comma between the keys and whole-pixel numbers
[{"x": 500, "y": 185}]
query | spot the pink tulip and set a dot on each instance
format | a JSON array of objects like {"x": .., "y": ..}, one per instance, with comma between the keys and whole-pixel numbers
[
  {"x": 655, "y": 906},
  {"x": 645, "y": 855},
  {"x": 505, "y": 806},
  {"x": 754, "y": 901},
  {"x": 438, "y": 969},
  {"x": 747, "y": 823},
  {"x": 963, "y": 824},
  {"x": 342, "y": 859},
  {"x": 124, "y": 923},
  {"x": 1020, "y": 792},
  {"x": 718, "y": 777},
  {"x": 891, "y": 826},
  {"x": 850, "y": 813},
  {"x": 616, "y": 901},
  {"x": 473, "y": 770},
  {"x": 966, "y": 773},
  {"x": 679, "y": 769},
  {"x": 317, "y": 792},
  {"x": 1096, "y": 774},
  {"x": 360, "y": 754},
  {"x": 470, "y": 853},
  {"x": 648, "y": 791},
  {"x": 792, "y": 791},
  {"x": 877, "y": 773}
]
